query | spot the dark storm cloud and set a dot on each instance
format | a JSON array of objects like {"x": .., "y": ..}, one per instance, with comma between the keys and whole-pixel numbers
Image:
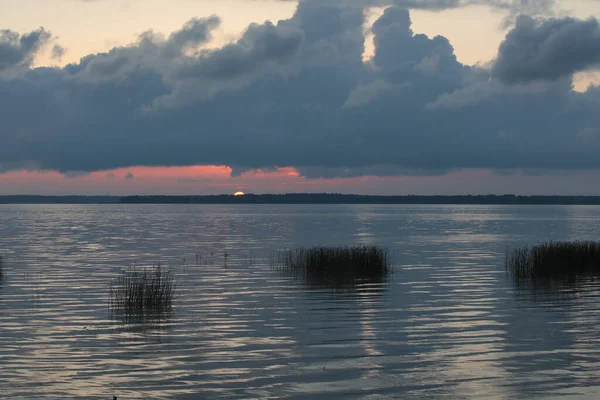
[
  {"x": 19, "y": 50},
  {"x": 294, "y": 93},
  {"x": 547, "y": 50}
]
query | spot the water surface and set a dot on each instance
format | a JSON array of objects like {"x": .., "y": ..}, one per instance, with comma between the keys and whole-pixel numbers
[{"x": 448, "y": 323}]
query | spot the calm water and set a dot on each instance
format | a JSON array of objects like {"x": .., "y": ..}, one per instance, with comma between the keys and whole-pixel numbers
[{"x": 448, "y": 324}]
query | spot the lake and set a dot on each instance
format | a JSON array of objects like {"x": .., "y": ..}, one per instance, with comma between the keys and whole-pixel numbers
[{"x": 448, "y": 323}]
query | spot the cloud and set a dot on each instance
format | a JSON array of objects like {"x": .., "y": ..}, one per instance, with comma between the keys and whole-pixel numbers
[
  {"x": 464, "y": 97},
  {"x": 20, "y": 50},
  {"x": 295, "y": 92},
  {"x": 129, "y": 176},
  {"x": 375, "y": 170},
  {"x": 402, "y": 53},
  {"x": 513, "y": 7},
  {"x": 365, "y": 94},
  {"x": 262, "y": 48},
  {"x": 58, "y": 52},
  {"x": 151, "y": 52},
  {"x": 547, "y": 50},
  {"x": 195, "y": 32}
]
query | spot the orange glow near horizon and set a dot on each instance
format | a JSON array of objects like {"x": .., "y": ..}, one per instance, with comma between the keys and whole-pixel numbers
[
  {"x": 196, "y": 179},
  {"x": 194, "y": 171},
  {"x": 212, "y": 179},
  {"x": 237, "y": 194}
]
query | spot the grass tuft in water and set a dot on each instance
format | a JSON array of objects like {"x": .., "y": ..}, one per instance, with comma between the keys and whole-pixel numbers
[
  {"x": 555, "y": 260},
  {"x": 138, "y": 293},
  {"x": 335, "y": 266}
]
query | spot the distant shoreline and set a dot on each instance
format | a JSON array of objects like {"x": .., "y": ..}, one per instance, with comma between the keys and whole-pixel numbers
[{"x": 307, "y": 198}]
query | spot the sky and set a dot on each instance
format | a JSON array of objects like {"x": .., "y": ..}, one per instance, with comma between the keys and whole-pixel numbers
[{"x": 275, "y": 96}]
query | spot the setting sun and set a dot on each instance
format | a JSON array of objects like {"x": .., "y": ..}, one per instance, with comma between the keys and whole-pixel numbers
[{"x": 238, "y": 194}]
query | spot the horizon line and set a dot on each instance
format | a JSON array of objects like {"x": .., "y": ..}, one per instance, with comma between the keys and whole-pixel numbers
[{"x": 302, "y": 193}]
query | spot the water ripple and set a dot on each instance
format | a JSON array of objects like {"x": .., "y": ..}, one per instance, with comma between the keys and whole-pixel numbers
[{"x": 448, "y": 323}]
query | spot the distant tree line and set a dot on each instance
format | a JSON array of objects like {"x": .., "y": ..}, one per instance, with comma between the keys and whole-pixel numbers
[
  {"x": 305, "y": 198},
  {"x": 36, "y": 199},
  {"x": 335, "y": 198}
]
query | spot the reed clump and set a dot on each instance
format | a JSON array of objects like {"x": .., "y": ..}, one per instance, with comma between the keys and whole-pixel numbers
[
  {"x": 555, "y": 260},
  {"x": 137, "y": 292},
  {"x": 336, "y": 266},
  {"x": 2, "y": 267}
]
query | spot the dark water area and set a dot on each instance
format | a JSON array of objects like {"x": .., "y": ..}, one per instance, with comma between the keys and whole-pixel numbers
[{"x": 447, "y": 323}]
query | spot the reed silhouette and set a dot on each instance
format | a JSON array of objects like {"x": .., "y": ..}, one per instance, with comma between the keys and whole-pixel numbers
[
  {"x": 142, "y": 294},
  {"x": 555, "y": 260},
  {"x": 336, "y": 267}
]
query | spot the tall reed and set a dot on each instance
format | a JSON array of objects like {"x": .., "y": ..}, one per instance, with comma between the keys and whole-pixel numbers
[
  {"x": 555, "y": 259},
  {"x": 139, "y": 291},
  {"x": 335, "y": 266}
]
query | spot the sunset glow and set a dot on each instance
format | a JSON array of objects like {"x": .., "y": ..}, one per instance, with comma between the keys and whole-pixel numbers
[
  {"x": 237, "y": 194},
  {"x": 219, "y": 180}
]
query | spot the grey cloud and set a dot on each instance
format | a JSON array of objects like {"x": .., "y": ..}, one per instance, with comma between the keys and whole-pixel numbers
[
  {"x": 547, "y": 50},
  {"x": 194, "y": 32},
  {"x": 532, "y": 8},
  {"x": 117, "y": 63},
  {"x": 396, "y": 19},
  {"x": 108, "y": 65},
  {"x": 7, "y": 166},
  {"x": 464, "y": 97},
  {"x": 20, "y": 50},
  {"x": 333, "y": 33},
  {"x": 512, "y": 8},
  {"x": 58, "y": 52},
  {"x": 262, "y": 48},
  {"x": 150, "y": 51},
  {"x": 260, "y": 44},
  {"x": 375, "y": 170},
  {"x": 412, "y": 109},
  {"x": 405, "y": 56},
  {"x": 430, "y": 4},
  {"x": 203, "y": 73},
  {"x": 365, "y": 94},
  {"x": 487, "y": 90},
  {"x": 74, "y": 174},
  {"x": 129, "y": 176},
  {"x": 318, "y": 35}
]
